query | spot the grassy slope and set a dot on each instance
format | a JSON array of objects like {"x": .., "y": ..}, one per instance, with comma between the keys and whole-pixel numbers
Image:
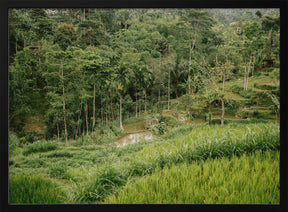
[{"x": 80, "y": 165}]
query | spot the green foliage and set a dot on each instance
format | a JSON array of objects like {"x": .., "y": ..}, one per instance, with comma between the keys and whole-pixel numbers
[
  {"x": 161, "y": 128},
  {"x": 98, "y": 184},
  {"x": 58, "y": 170},
  {"x": 91, "y": 33},
  {"x": 188, "y": 183},
  {"x": 265, "y": 86},
  {"x": 14, "y": 144},
  {"x": 28, "y": 189},
  {"x": 65, "y": 35},
  {"x": 40, "y": 147},
  {"x": 240, "y": 90},
  {"x": 94, "y": 172},
  {"x": 31, "y": 137}
]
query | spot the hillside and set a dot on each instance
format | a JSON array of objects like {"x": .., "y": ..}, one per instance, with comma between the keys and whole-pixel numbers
[{"x": 103, "y": 103}]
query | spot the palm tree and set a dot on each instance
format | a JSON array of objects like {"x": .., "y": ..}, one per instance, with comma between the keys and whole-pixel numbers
[{"x": 122, "y": 77}]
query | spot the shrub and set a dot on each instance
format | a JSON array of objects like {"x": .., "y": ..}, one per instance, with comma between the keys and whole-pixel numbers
[
  {"x": 240, "y": 90},
  {"x": 31, "y": 137},
  {"x": 277, "y": 64},
  {"x": 262, "y": 99},
  {"x": 275, "y": 73},
  {"x": 14, "y": 144}
]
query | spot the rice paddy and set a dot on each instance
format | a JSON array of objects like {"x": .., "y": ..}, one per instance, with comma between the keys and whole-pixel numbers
[{"x": 221, "y": 164}]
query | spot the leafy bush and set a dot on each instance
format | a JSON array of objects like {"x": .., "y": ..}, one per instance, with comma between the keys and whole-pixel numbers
[
  {"x": 31, "y": 137},
  {"x": 262, "y": 99},
  {"x": 161, "y": 127},
  {"x": 14, "y": 144},
  {"x": 240, "y": 90},
  {"x": 275, "y": 74}
]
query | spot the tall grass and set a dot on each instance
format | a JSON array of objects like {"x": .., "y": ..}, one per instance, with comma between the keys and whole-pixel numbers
[
  {"x": 204, "y": 142},
  {"x": 213, "y": 141},
  {"x": 250, "y": 179},
  {"x": 95, "y": 172},
  {"x": 97, "y": 184},
  {"x": 39, "y": 147},
  {"x": 34, "y": 190}
]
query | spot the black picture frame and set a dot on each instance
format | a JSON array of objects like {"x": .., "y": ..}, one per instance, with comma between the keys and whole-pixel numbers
[{"x": 4, "y": 106}]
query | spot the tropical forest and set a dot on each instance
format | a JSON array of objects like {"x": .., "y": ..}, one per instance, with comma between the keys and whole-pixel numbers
[{"x": 144, "y": 106}]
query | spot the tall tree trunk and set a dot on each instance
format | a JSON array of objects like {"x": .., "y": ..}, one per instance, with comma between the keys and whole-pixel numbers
[
  {"x": 136, "y": 103},
  {"x": 78, "y": 126},
  {"x": 245, "y": 78},
  {"x": 64, "y": 103},
  {"x": 121, "y": 126},
  {"x": 189, "y": 67},
  {"x": 168, "y": 90},
  {"x": 58, "y": 131},
  {"x": 253, "y": 65},
  {"x": 139, "y": 113},
  {"x": 94, "y": 105},
  {"x": 223, "y": 83},
  {"x": 106, "y": 115},
  {"x": 145, "y": 95},
  {"x": 189, "y": 86},
  {"x": 191, "y": 47},
  {"x": 248, "y": 71},
  {"x": 112, "y": 110},
  {"x": 86, "y": 112},
  {"x": 223, "y": 111},
  {"x": 176, "y": 86},
  {"x": 16, "y": 47},
  {"x": 159, "y": 94},
  {"x": 83, "y": 123},
  {"x": 102, "y": 118}
]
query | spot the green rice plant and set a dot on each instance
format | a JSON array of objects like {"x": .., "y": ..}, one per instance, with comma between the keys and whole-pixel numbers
[
  {"x": 215, "y": 141},
  {"x": 41, "y": 146},
  {"x": 206, "y": 142},
  {"x": 179, "y": 131},
  {"x": 96, "y": 172},
  {"x": 58, "y": 170},
  {"x": 34, "y": 190},
  {"x": 220, "y": 181},
  {"x": 57, "y": 154},
  {"x": 98, "y": 183}
]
